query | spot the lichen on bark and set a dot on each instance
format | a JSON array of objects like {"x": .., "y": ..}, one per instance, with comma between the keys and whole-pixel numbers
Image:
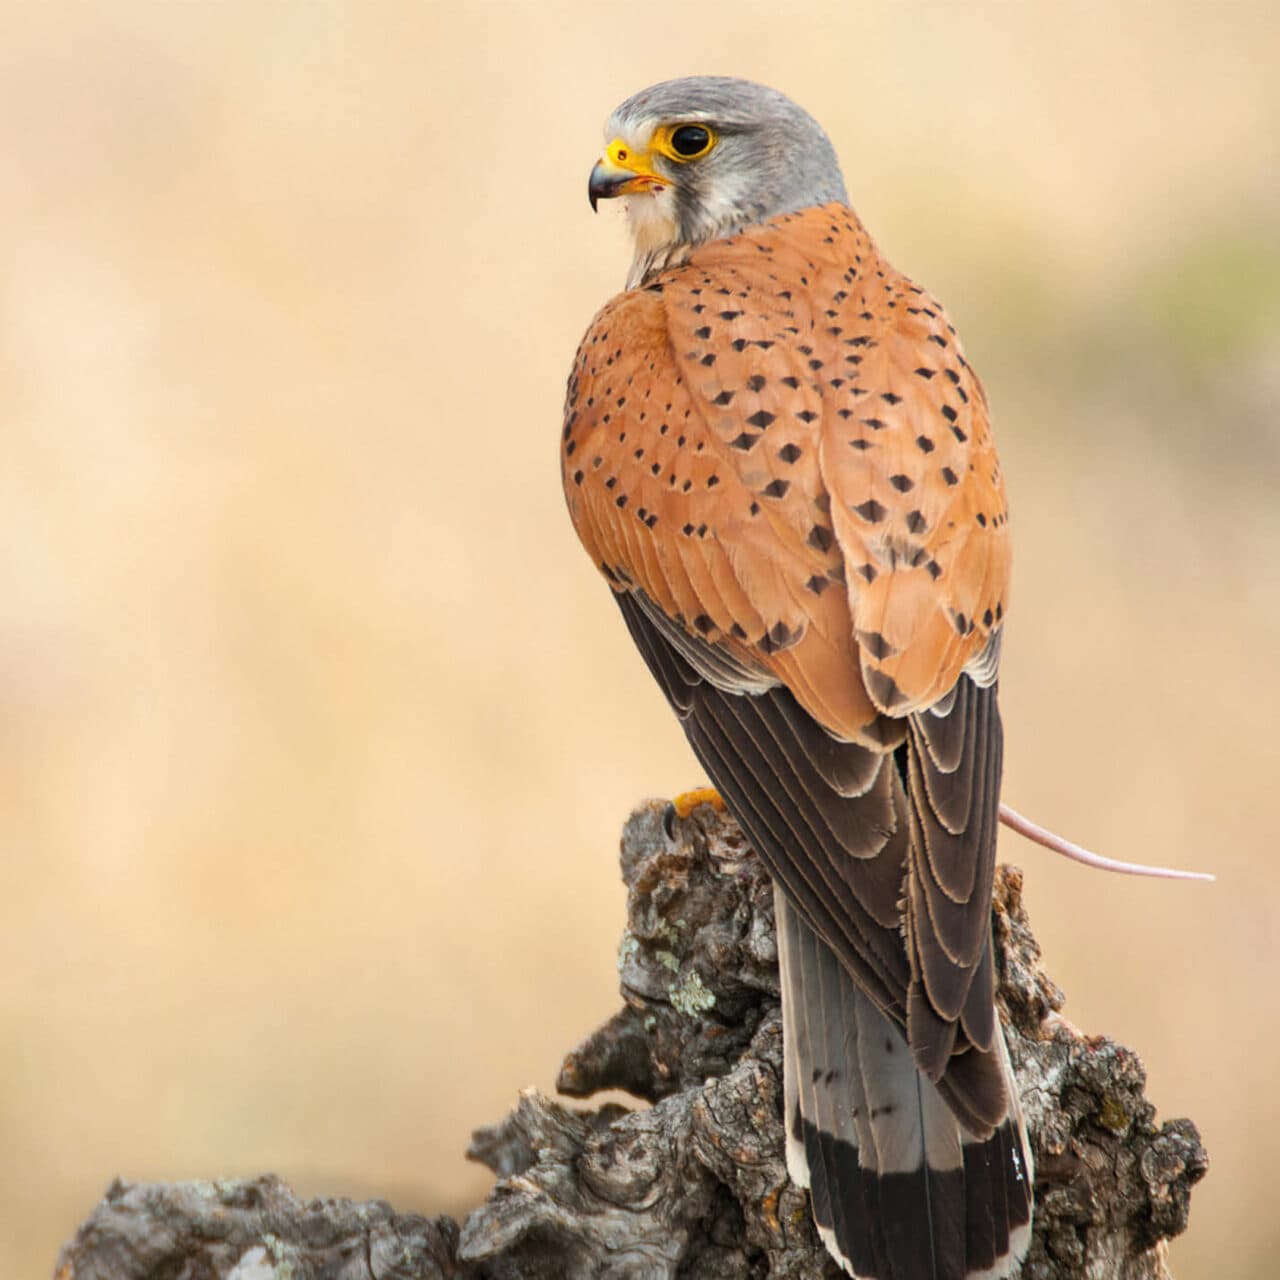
[{"x": 693, "y": 1186}]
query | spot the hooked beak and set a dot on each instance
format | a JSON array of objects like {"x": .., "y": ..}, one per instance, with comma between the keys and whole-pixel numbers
[{"x": 622, "y": 172}]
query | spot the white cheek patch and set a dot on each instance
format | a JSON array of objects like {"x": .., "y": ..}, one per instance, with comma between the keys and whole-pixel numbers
[{"x": 651, "y": 215}]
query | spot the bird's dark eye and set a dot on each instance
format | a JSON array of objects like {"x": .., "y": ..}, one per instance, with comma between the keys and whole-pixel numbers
[{"x": 690, "y": 140}]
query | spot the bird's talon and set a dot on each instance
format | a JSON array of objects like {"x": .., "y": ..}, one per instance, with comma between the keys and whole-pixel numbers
[{"x": 687, "y": 801}]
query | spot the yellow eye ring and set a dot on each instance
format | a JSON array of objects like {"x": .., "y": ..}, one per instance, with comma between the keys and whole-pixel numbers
[{"x": 684, "y": 142}]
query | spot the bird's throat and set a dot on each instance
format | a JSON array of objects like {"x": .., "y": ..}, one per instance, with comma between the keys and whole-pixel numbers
[
  {"x": 665, "y": 234},
  {"x": 655, "y": 232}
]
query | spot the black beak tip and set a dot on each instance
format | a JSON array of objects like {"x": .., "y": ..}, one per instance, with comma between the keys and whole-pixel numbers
[{"x": 601, "y": 185}]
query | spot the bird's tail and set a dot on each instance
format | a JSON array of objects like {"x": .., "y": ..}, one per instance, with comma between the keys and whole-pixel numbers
[{"x": 901, "y": 1190}]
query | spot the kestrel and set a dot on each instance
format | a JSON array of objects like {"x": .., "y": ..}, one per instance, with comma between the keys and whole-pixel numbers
[{"x": 777, "y": 455}]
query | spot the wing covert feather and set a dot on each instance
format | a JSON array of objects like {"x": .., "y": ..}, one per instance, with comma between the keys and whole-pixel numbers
[{"x": 779, "y": 457}]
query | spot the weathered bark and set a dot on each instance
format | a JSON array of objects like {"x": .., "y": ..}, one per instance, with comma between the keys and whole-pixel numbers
[
  {"x": 694, "y": 1186},
  {"x": 253, "y": 1230}
]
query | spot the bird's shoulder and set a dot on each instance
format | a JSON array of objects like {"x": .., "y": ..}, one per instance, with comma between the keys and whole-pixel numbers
[{"x": 782, "y": 441}]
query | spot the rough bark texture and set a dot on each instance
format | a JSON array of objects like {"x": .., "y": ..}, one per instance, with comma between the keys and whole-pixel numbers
[{"x": 694, "y": 1186}]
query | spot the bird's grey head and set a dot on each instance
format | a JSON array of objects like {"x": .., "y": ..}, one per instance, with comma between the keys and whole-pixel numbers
[{"x": 704, "y": 157}]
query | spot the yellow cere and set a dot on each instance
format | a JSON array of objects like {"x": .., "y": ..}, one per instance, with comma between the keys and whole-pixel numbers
[{"x": 622, "y": 156}]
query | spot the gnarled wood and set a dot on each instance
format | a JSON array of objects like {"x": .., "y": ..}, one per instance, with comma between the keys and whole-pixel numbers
[{"x": 695, "y": 1185}]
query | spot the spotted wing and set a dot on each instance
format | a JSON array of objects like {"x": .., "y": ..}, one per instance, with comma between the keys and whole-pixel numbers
[
  {"x": 760, "y": 451},
  {"x": 669, "y": 508}
]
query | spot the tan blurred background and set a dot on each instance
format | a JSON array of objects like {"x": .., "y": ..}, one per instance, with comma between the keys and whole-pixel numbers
[{"x": 316, "y": 728}]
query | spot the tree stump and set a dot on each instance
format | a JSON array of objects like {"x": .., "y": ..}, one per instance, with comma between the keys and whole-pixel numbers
[{"x": 694, "y": 1185}]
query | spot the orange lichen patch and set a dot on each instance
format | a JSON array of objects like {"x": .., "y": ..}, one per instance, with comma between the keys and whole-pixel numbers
[
  {"x": 687, "y": 801},
  {"x": 769, "y": 1209}
]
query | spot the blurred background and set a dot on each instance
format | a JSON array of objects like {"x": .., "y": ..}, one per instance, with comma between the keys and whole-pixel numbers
[{"x": 317, "y": 730}]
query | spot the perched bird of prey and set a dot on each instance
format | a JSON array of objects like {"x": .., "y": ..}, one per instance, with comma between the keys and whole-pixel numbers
[{"x": 777, "y": 455}]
